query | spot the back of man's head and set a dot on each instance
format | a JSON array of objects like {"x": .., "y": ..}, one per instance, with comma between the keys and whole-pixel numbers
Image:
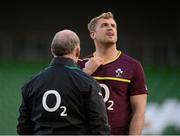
[{"x": 64, "y": 43}]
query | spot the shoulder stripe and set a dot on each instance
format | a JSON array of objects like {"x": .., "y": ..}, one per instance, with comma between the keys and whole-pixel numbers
[
  {"x": 113, "y": 78},
  {"x": 72, "y": 67}
]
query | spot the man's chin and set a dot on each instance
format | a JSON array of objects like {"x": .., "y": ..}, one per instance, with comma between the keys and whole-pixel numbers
[{"x": 110, "y": 43}]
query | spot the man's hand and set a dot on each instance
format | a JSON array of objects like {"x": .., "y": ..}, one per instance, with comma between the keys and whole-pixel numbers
[{"x": 92, "y": 64}]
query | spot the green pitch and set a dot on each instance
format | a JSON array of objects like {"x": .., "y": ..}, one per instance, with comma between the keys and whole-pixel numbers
[
  {"x": 12, "y": 77},
  {"x": 163, "y": 82}
]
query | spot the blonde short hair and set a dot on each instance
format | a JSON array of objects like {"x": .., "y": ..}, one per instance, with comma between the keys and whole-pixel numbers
[{"x": 93, "y": 22}]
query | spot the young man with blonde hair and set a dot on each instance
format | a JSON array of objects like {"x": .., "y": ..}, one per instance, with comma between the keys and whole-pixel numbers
[{"x": 121, "y": 77}]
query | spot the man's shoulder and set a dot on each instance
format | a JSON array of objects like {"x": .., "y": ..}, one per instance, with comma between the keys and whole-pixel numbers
[
  {"x": 84, "y": 80},
  {"x": 33, "y": 79},
  {"x": 135, "y": 64},
  {"x": 85, "y": 76},
  {"x": 129, "y": 59}
]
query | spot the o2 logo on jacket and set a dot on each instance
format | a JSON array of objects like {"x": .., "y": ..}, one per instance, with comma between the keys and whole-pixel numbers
[{"x": 57, "y": 105}]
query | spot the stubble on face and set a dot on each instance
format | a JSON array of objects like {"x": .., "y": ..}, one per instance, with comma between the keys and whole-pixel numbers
[{"x": 106, "y": 32}]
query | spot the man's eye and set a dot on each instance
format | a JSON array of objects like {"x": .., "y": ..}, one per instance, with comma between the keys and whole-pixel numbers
[
  {"x": 104, "y": 25},
  {"x": 113, "y": 25}
]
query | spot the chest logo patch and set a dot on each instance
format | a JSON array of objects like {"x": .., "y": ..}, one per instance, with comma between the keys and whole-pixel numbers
[{"x": 119, "y": 72}]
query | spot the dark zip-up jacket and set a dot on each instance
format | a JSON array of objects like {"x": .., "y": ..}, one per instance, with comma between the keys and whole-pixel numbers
[{"x": 62, "y": 99}]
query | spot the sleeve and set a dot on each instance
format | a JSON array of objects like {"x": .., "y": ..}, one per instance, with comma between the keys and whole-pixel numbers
[
  {"x": 81, "y": 63},
  {"x": 138, "y": 83},
  {"x": 96, "y": 111},
  {"x": 24, "y": 126}
]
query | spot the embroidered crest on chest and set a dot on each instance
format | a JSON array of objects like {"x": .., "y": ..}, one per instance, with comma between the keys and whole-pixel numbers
[{"x": 119, "y": 72}]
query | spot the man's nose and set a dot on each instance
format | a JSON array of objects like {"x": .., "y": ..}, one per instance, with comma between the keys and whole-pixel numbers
[{"x": 110, "y": 27}]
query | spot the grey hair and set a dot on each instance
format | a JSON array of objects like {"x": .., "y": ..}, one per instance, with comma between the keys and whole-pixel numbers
[{"x": 64, "y": 42}]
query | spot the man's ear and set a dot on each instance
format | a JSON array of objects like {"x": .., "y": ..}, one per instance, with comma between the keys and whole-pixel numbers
[
  {"x": 92, "y": 34},
  {"x": 52, "y": 51},
  {"x": 77, "y": 53}
]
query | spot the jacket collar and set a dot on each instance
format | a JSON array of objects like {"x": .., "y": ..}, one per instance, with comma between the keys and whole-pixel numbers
[{"x": 63, "y": 61}]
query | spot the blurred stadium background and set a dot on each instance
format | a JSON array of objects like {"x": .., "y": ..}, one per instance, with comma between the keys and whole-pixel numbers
[{"x": 148, "y": 31}]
